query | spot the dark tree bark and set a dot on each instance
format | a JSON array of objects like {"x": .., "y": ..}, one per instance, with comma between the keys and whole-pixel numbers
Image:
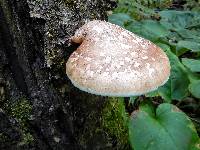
[{"x": 39, "y": 108}]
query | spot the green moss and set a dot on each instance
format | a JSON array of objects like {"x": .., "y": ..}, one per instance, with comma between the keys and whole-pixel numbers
[
  {"x": 27, "y": 138},
  {"x": 21, "y": 110},
  {"x": 6, "y": 10},
  {"x": 70, "y": 3},
  {"x": 114, "y": 121},
  {"x": 3, "y": 138},
  {"x": 102, "y": 122}
]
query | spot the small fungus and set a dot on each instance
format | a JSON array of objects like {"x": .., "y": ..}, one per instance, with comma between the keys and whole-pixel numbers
[{"x": 112, "y": 61}]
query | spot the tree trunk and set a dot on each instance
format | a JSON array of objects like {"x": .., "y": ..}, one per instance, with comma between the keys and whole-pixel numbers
[{"x": 39, "y": 108}]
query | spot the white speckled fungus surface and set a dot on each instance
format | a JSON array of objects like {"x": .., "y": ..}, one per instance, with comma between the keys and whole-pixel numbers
[{"x": 112, "y": 61}]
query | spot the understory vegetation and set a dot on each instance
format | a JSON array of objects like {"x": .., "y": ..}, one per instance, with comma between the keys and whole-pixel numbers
[{"x": 168, "y": 118}]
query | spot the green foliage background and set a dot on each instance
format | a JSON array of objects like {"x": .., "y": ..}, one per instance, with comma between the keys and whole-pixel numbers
[{"x": 174, "y": 122}]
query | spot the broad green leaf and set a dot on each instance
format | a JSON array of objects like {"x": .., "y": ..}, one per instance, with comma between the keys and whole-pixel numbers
[
  {"x": 180, "y": 51},
  {"x": 166, "y": 129},
  {"x": 192, "y": 64},
  {"x": 195, "y": 23},
  {"x": 180, "y": 19},
  {"x": 178, "y": 82},
  {"x": 137, "y": 28},
  {"x": 179, "y": 78},
  {"x": 155, "y": 28},
  {"x": 188, "y": 34},
  {"x": 149, "y": 29},
  {"x": 195, "y": 88},
  {"x": 119, "y": 19},
  {"x": 193, "y": 46},
  {"x": 165, "y": 91},
  {"x": 152, "y": 94},
  {"x": 166, "y": 24}
]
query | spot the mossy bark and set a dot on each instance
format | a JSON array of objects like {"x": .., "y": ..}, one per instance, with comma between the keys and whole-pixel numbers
[{"x": 40, "y": 108}]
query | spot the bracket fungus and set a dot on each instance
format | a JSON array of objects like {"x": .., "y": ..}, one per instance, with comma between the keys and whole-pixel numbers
[{"x": 112, "y": 61}]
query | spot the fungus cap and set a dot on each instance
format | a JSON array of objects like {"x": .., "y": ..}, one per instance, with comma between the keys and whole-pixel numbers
[{"x": 112, "y": 61}]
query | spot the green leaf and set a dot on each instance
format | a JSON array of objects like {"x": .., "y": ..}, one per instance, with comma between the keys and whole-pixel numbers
[
  {"x": 135, "y": 27},
  {"x": 165, "y": 91},
  {"x": 152, "y": 94},
  {"x": 154, "y": 27},
  {"x": 180, "y": 19},
  {"x": 179, "y": 80},
  {"x": 192, "y": 64},
  {"x": 119, "y": 19},
  {"x": 149, "y": 29},
  {"x": 166, "y": 129},
  {"x": 188, "y": 34},
  {"x": 177, "y": 85},
  {"x": 194, "y": 88},
  {"x": 193, "y": 46},
  {"x": 166, "y": 24}
]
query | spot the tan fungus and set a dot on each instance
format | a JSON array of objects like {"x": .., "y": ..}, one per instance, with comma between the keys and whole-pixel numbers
[{"x": 112, "y": 61}]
